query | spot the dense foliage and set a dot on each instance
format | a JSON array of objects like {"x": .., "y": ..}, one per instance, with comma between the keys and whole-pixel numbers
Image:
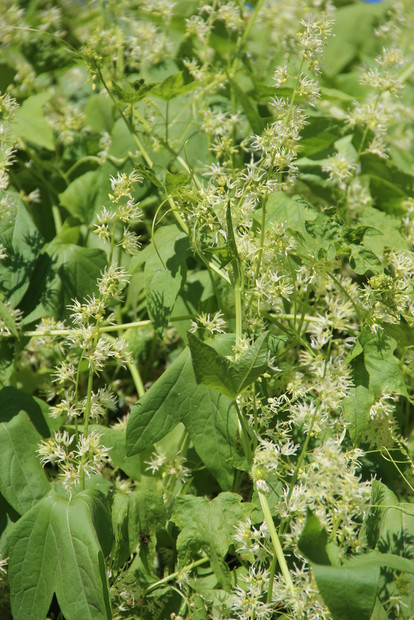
[{"x": 206, "y": 309}]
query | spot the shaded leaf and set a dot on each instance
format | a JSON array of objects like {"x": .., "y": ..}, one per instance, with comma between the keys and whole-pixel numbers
[
  {"x": 115, "y": 440},
  {"x": 165, "y": 272},
  {"x": 80, "y": 197},
  {"x": 7, "y": 318},
  {"x": 349, "y": 593},
  {"x": 230, "y": 378},
  {"x": 22, "y": 478},
  {"x": 136, "y": 518},
  {"x": 356, "y": 408},
  {"x": 208, "y": 525}
]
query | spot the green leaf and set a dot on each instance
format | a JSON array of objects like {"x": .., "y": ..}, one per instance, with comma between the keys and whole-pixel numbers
[
  {"x": 12, "y": 401},
  {"x": 22, "y": 478},
  {"x": 356, "y": 408},
  {"x": 208, "y": 525},
  {"x": 133, "y": 92},
  {"x": 161, "y": 177},
  {"x": 30, "y": 124},
  {"x": 313, "y": 541},
  {"x": 218, "y": 373},
  {"x": 348, "y": 40},
  {"x": 388, "y": 560},
  {"x": 385, "y": 231},
  {"x": 115, "y": 440},
  {"x": 33, "y": 562},
  {"x": 382, "y": 499},
  {"x": 382, "y": 366},
  {"x": 165, "y": 272},
  {"x": 54, "y": 548},
  {"x": 362, "y": 260},
  {"x": 349, "y": 593},
  {"x": 80, "y": 197},
  {"x": 75, "y": 271},
  {"x": 388, "y": 195},
  {"x": 7, "y": 318},
  {"x": 292, "y": 212},
  {"x": 209, "y": 417},
  {"x": 175, "y": 182},
  {"x": 256, "y": 122},
  {"x": 141, "y": 513},
  {"x": 22, "y": 242},
  {"x": 7, "y": 357},
  {"x": 99, "y": 113},
  {"x": 173, "y": 86}
]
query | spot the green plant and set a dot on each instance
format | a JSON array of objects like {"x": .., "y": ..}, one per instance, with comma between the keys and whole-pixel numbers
[{"x": 207, "y": 310}]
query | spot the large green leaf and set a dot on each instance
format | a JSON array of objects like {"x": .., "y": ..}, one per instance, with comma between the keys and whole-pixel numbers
[
  {"x": 80, "y": 197},
  {"x": 209, "y": 525},
  {"x": 22, "y": 478},
  {"x": 136, "y": 517},
  {"x": 219, "y": 373},
  {"x": 385, "y": 231},
  {"x": 12, "y": 401},
  {"x": 356, "y": 408},
  {"x": 30, "y": 124},
  {"x": 65, "y": 271},
  {"x": 209, "y": 417},
  {"x": 54, "y": 548},
  {"x": 349, "y": 593},
  {"x": 99, "y": 113},
  {"x": 390, "y": 523},
  {"x": 354, "y": 32},
  {"x": 114, "y": 439},
  {"x": 313, "y": 542},
  {"x": 165, "y": 272},
  {"x": 22, "y": 242},
  {"x": 376, "y": 558},
  {"x": 383, "y": 367}
]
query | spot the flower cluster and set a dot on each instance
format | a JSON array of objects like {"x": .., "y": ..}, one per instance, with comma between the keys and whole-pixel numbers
[
  {"x": 73, "y": 457},
  {"x": 124, "y": 210}
]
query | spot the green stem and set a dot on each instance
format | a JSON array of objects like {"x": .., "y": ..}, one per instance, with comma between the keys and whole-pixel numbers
[
  {"x": 91, "y": 158},
  {"x": 275, "y": 540},
  {"x": 272, "y": 572},
  {"x": 238, "y": 312},
  {"x": 57, "y": 218},
  {"x": 249, "y": 25},
  {"x": 112, "y": 246},
  {"x": 86, "y": 423},
  {"x": 244, "y": 435},
  {"x": 136, "y": 377},
  {"x": 172, "y": 576}
]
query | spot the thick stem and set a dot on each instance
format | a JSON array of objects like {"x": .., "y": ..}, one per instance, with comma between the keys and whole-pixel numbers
[
  {"x": 136, "y": 377},
  {"x": 275, "y": 540}
]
